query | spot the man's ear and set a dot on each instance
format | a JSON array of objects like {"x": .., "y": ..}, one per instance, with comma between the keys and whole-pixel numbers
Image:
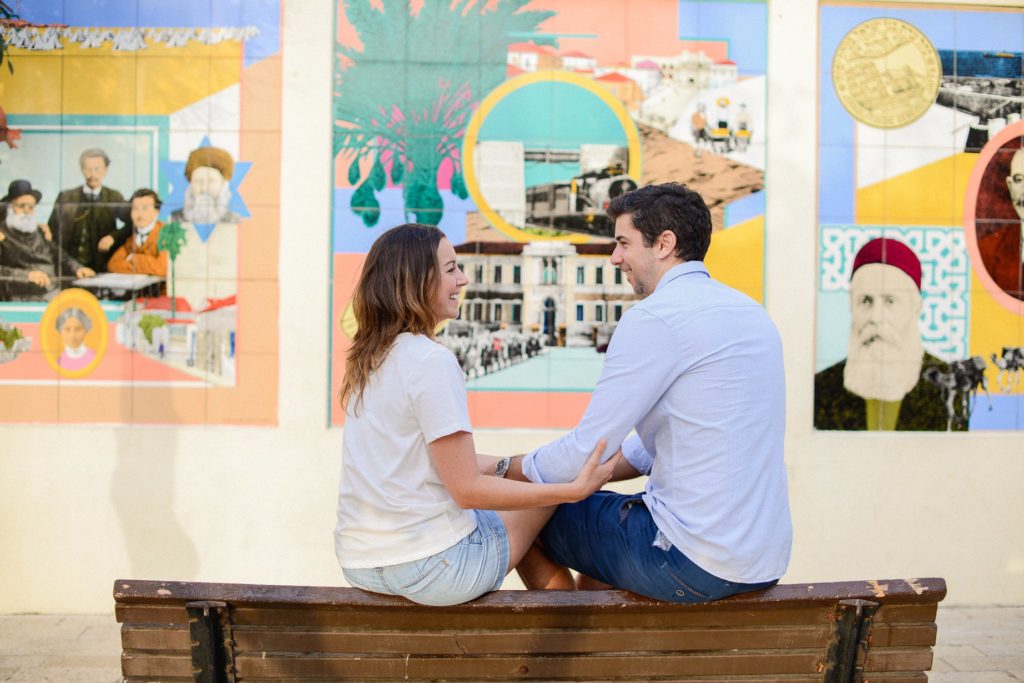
[{"x": 665, "y": 245}]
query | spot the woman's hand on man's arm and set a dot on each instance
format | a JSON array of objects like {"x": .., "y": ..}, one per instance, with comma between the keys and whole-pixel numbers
[{"x": 460, "y": 468}]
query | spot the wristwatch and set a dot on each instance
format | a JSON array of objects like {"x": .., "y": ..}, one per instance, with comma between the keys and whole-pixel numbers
[{"x": 501, "y": 469}]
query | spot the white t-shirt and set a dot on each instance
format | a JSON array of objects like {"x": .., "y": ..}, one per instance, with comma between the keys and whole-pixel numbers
[{"x": 392, "y": 505}]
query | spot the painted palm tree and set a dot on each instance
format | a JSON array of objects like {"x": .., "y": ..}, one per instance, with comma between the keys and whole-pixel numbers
[
  {"x": 172, "y": 238},
  {"x": 404, "y": 97}
]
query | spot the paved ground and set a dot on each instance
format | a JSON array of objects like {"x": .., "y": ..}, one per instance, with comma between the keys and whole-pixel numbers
[{"x": 975, "y": 646}]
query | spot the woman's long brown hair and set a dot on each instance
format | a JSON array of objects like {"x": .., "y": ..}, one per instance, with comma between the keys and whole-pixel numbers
[{"x": 394, "y": 294}]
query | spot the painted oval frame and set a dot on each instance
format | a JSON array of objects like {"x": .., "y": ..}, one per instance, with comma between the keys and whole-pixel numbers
[
  {"x": 49, "y": 337},
  {"x": 1010, "y": 303}
]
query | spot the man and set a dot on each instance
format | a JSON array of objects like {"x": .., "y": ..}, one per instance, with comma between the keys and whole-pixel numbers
[
  {"x": 31, "y": 265},
  {"x": 699, "y": 130},
  {"x": 208, "y": 195},
  {"x": 1001, "y": 249},
  {"x": 880, "y": 384},
  {"x": 90, "y": 221},
  {"x": 696, "y": 369},
  {"x": 207, "y": 265},
  {"x": 140, "y": 254}
]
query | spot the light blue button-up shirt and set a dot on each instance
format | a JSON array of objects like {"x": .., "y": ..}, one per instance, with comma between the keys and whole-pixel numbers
[{"x": 696, "y": 369}]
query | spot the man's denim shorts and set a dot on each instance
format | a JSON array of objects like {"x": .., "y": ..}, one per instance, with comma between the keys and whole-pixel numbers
[
  {"x": 475, "y": 565},
  {"x": 611, "y": 537}
]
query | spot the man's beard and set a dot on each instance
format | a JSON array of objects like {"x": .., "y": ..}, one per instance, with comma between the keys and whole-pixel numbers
[
  {"x": 22, "y": 222},
  {"x": 202, "y": 208},
  {"x": 885, "y": 368}
]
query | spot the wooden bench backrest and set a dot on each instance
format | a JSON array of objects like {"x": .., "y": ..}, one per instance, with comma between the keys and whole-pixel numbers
[{"x": 864, "y": 630}]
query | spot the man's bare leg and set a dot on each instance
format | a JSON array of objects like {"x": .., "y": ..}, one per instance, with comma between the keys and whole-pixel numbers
[
  {"x": 585, "y": 583},
  {"x": 539, "y": 572}
]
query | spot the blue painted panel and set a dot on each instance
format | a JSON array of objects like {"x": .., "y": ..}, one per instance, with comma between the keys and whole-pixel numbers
[
  {"x": 744, "y": 25},
  {"x": 351, "y": 236}
]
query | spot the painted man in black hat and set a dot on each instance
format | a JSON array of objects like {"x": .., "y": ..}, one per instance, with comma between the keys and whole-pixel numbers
[
  {"x": 31, "y": 266},
  {"x": 92, "y": 220}
]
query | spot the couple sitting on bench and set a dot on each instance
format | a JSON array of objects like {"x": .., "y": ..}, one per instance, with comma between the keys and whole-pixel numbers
[{"x": 694, "y": 367}]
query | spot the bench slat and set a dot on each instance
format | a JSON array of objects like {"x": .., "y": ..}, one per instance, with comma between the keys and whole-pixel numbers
[
  {"x": 364, "y": 618},
  {"x": 509, "y": 641},
  {"x": 530, "y": 668},
  {"x": 160, "y": 665},
  {"x": 903, "y": 591},
  {"x": 897, "y": 659},
  {"x": 520, "y": 642}
]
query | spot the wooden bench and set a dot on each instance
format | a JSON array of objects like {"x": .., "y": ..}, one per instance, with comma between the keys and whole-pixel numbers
[{"x": 854, "y": 631}]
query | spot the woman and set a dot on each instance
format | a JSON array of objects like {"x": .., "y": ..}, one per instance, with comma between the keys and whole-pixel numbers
[
  {"x": 73, "y": 324},
  {"x": 415, "y": 512}
]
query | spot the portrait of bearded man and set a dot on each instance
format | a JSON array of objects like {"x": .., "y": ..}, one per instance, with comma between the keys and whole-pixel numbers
[
  {"x": 208, "y": 195},
  {"x": 207, "y": 264},
  {"x": 880, "y": 385}
]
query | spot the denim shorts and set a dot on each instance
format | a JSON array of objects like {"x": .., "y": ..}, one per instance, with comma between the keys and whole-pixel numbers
[
  {"x": 475, "y": 565},
  {"x": 611, "y": 537}
]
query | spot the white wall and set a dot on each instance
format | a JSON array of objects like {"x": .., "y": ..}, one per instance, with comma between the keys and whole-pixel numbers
[{"x": 81, "y": 506}]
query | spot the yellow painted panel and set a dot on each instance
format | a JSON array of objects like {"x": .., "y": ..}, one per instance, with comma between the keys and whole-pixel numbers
[
  {"x": 992, "y": 328},
  {"x": 158, "y": 80},
  {"x": 736, "y": 257},
  {"x": 35, "y": 86},
  {"x": 100, "y": 84},
  {"x": 930, "y": 195}
]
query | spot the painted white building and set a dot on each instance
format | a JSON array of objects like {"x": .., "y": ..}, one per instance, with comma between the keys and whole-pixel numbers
[
  {"x": 501, "y": 176},
  {"x": 150, "y": 326},
  {"x": 533, "y": 57},
  {"x": 552, "y": 287},
  {"x": 215, "y": 339},
  {"x": 578, "y": 61}
]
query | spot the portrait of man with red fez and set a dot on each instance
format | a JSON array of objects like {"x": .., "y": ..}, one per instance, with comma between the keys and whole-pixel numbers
[
  {"x": 880, "y": 385},
  {"x": 998, "y": 218}
]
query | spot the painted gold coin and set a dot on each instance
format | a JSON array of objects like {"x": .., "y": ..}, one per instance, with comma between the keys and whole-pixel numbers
[{"x": 886, "y": 73}]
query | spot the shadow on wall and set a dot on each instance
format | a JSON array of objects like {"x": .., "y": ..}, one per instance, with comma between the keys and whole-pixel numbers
[{"x": 143, "y": 493}]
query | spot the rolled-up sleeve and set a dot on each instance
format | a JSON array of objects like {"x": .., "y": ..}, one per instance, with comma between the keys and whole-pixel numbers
[
  {"x": 640, "y": 365},
  {"x": 636, "y": 455}
]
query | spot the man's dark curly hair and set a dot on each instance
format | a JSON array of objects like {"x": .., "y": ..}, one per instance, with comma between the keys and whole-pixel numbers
[{"x": 669, "y": 206}]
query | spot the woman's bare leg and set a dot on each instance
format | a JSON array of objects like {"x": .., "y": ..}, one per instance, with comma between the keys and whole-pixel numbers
[{"x": 534, "y": 567}]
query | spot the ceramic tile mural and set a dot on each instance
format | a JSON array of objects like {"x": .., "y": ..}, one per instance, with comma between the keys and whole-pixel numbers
[
  {"x": 513, "y": 138},
  {"x": 920, "y": 204},
  {"x": 140, "y": 166}
]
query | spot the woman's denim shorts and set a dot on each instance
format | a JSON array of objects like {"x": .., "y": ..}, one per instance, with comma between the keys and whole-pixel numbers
[{"x": 475, "y": 565}]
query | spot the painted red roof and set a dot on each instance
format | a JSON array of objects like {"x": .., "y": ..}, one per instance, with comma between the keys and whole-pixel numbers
[
  {"x": 163, "y": 303},
  {"x": 530, "y": 47},
  {"x": 615, "y": 77},
  {"x": 513, "y": 70},
  {"x": 647, "y": 64},
  {"x": 726, "y": 62},
  {"x": 214, "y": 304},
  {"x": 577, "y": 53}
]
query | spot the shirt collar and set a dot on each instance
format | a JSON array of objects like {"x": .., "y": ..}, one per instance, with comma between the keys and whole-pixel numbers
[
  {"x": 684, "y": 268},
  {"x": 142, "y": 233},
  {"x": 90, "y": 191}
]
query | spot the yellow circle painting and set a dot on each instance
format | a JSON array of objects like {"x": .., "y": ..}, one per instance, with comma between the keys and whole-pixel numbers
[
  {"x": 543, "y": 154},
  {"x": 886, "y": 73},
  {"x": 73, "y": 333}
]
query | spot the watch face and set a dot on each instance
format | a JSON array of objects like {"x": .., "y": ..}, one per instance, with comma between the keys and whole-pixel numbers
[{"x": 502, "y": 467}]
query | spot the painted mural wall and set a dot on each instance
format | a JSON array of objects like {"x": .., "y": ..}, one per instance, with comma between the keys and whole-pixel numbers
[
  {"x": 920, "y": 205},
  {"x": 140, "y": 164},
  {"x": 513, "y": 138}
]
